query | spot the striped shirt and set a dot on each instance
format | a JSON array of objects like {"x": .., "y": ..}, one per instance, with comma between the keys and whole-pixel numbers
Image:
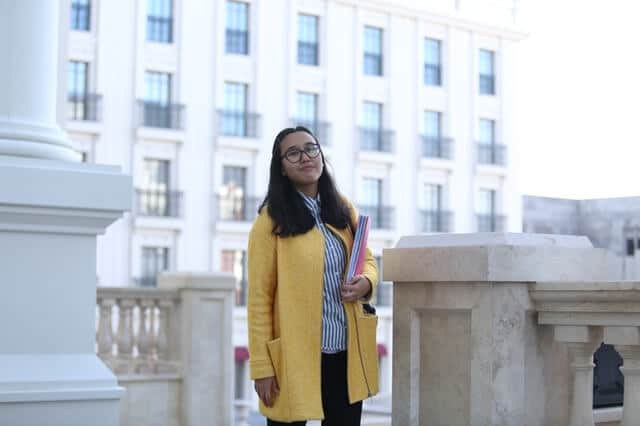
[{"x": 334, "y": 326}]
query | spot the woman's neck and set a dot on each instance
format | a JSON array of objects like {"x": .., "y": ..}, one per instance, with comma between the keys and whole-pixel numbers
[{"x": 309, "y": 190}]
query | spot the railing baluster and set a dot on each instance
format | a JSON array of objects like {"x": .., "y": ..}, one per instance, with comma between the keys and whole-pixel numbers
[
  {"x": 162, "y": 342},
  {"x": 105, "y": 329},
  {"x": 145, "y": 339},
  {"x": 125, "y": 328}
]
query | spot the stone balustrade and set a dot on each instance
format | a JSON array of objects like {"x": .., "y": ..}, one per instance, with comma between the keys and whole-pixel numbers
[
  {"x": 133, "y": 329},
  {"x": 500, "y": 329},
  {"x": 171, "y": 348},
  {"x": 582, "y": 316}
]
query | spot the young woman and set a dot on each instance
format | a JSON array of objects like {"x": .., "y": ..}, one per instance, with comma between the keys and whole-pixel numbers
[{"x": 312, "y": 347}]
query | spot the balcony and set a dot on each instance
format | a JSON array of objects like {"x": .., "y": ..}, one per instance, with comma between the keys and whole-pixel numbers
[
  {"x": 492, "y": 153},
  {"x": 321, "y": 129},
  {"x": 160, "y": 115},
  {"x": 382, "y": 217},
  {"x": 239, "y": 124},
  {"x": 237, "y": 209},
  {"x": 377, "y": 140},
  {"x": 158, "y": 203},
  {"x": 436, "y": 220},
  {"x": 149, "y": 282},
  {"x": 86, "y": 107},
  {"x": 441, "y": 148},
  {"x": 490, "y": 222}
]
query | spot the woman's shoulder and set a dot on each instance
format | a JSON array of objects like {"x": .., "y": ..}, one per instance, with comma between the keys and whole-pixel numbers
[{"x": 264, "y": 222}]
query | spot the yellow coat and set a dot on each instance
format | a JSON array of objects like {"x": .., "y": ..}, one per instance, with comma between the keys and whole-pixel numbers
[{"x": 285, "y": 320}]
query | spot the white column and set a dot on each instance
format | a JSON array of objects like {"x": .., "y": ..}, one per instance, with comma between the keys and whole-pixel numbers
[
  {"x": 51, "y": 212},
  {"x": 28, "y": 81}
]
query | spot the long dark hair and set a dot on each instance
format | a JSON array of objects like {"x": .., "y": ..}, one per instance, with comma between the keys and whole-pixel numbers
[{"x": 286, "y": 206}]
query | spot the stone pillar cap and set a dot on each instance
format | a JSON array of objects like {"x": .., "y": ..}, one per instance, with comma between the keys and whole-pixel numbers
[
  {"x": 496, "y": 257},
  {"x": 197, "y": 280}
]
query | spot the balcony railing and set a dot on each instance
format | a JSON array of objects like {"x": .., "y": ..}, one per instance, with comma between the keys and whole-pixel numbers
[
  {"x": 321, "y": 129},
  {"x": 436, "y": 220},
  {"x": 492, "y": 153},
  {"x": 382, "y": 217},
  {"x": 238, "y": 209},
  {"x": 490, "y": 222},
  {"x": 149, "y": 281},
  {"x": 437, "y": 147},
  {"x": 239, "y": 123},
  {"x": 85, "y": 107},
  {"x": 378, "y": 140},
  {"x": 165, "y": 116},
  {"x": 159, "y": 203}
]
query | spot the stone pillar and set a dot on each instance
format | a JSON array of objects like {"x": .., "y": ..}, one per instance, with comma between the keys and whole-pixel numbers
[
  {"x": 627, "y": 343},
  {"x": 205, "y": 346},
  {"x": 51, "y": 212},
  {"x": 467, "y": 347},
  {"x": 28, "y": 81}
]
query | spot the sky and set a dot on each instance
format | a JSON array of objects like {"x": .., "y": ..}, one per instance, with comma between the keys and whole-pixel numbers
[{"x": 577, "y": 99}]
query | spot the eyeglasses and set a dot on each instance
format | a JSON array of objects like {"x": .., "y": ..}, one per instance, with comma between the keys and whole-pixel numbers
[{"x": 295, "y": 155}]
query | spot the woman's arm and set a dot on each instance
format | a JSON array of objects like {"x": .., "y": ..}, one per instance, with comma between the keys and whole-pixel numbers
[{"x": 262, "y": 285}]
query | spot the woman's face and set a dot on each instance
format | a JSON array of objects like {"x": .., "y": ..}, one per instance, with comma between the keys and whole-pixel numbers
[{"x": 305, "y": 171}]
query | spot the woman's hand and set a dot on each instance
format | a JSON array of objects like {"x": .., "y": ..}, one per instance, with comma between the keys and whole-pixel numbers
[
  {"x": 356, "y": 289},
  {"x": 267, "y": 390}
]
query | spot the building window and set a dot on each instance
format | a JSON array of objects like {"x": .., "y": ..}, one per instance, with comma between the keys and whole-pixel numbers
[
  {"x": 235, "y": 105},
  {"x": 80, "y": 15},
  {"x": 237, "y": 28},
  {"x": 307, "y": 109},
  {"x": 371, "y": 137},
  {"x": 488, "y": 218},
  {"x": 154, "y": 261},
  {"x": 157, "y": 100},
  {"x": 155, "y": 196},
  {"x": 372, "y": 203},
  {"x": 372, "y": 50},
  {"x": 233, "y": 194},
  {"x": 307, "y": 39},
  {"x": 487, "y": 76},
  {"x": 77, "y": 88},
  {"x": 487, "y": 132},
  {"x": 433, "y": 125},
  {"x": 160, "y": 21},
  {"x": 235, "y": 262},
  {"x": 432, "y": 62},
  {"x": 157, "y": 87},
  {"x": 433, "y": 216}
]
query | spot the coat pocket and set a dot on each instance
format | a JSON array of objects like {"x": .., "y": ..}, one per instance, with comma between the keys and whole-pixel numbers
[
  {"x": 367, "y": 325},
  {"x": 275, "y": 353}
]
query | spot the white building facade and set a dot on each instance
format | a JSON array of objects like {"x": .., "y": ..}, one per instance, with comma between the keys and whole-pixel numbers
[{"x": 413, "y": 103}]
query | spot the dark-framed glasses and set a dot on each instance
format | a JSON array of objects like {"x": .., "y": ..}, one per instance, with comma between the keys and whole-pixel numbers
[{"x": 295, "y": 155}]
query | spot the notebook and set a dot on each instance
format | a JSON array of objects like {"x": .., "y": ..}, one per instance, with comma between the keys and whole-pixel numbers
[{"x": 358, "y": 252}]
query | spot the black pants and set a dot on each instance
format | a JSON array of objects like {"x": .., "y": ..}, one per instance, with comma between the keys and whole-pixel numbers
[{"x": 335, "y": 398}]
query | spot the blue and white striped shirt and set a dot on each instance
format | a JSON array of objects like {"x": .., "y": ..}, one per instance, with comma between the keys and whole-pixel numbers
[{"x": 334, "y": 326}]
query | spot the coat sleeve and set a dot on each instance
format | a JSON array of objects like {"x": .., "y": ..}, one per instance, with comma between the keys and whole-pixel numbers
[
  {"x": 370, "y": 266},
  {"x": 262, "y": 286}
]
